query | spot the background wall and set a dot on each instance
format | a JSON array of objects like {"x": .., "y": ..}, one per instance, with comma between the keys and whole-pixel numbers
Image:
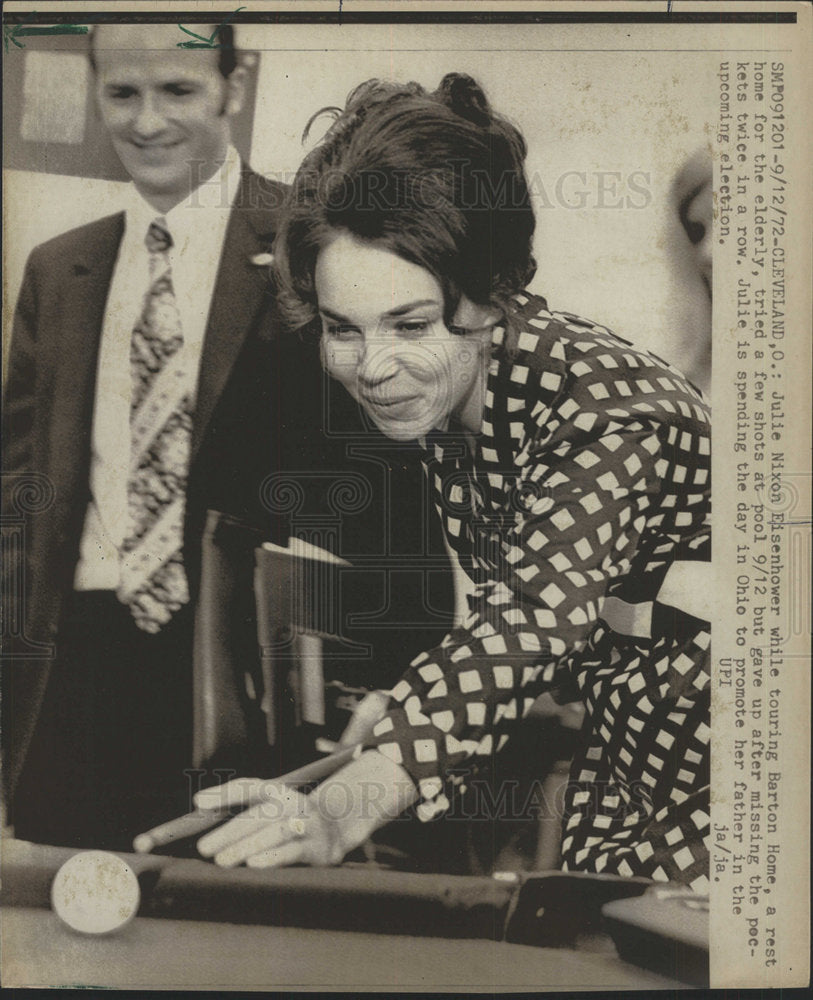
[{"x": 607, "y": 131}]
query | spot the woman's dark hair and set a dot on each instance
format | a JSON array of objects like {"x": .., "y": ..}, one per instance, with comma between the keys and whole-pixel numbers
[{"x": 435, "y": 178}]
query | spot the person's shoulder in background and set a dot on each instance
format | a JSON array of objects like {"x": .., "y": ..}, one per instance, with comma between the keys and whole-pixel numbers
[
  {"x": 263, "y": 198},
  {"x": 71, "y": 247}
]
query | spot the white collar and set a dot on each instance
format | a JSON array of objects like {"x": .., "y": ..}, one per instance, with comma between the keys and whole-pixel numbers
[{"x": 196, "y": 211}]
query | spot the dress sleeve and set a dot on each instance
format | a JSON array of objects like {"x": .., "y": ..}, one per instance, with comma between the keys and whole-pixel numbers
[{"x": 582, "y": 513}]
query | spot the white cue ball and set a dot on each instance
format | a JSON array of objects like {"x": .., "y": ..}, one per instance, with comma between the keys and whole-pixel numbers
[{"x": 95, "y": 892}]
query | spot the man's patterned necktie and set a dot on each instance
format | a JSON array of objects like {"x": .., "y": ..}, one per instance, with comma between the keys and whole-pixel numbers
[{"x": 153, "y": 580}]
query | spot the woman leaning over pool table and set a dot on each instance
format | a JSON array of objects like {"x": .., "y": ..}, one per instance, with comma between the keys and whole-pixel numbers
[{"x": 571, "y": 473}]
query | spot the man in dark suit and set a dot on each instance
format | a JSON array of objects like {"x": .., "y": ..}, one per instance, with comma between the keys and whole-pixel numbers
[
  {"x": 142, "y": 391},
  {"x": 148, "y": 384}
]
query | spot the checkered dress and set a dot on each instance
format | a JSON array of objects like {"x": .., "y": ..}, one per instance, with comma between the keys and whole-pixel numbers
[{"x": 586, "y": 501}]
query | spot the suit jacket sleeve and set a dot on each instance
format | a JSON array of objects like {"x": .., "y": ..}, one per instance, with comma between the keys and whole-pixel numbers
[{"x": 18, "y": 396}]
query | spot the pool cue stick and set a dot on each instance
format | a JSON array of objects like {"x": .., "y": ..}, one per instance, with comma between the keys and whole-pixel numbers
[
  {"x": 317, "y": 769},
  {"x": 202, "y": 819},
  {"x": 178, "y": 829}
]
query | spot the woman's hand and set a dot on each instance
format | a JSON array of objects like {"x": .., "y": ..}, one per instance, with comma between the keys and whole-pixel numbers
[{"x": 284, "y": 827}]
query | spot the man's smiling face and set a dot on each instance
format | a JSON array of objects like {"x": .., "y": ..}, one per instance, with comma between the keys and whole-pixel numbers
[{"x": 167, "y": 109}]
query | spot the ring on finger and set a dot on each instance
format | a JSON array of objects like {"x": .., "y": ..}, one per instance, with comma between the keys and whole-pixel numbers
[{"x": 296, "y": 825}]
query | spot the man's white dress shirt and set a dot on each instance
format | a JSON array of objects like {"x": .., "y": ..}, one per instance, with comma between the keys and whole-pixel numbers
[{"x": 197, "y": 226}]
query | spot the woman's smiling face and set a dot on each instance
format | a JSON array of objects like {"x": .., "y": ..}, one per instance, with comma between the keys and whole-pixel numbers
[{"x": 385, "y": 340}]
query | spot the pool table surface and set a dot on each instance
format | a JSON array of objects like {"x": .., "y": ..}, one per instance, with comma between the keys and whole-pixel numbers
[{"x": 181, "y": 950}]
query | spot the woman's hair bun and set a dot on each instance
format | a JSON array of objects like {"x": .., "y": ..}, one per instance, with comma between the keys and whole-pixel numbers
[{"x": 463, "y": 95}]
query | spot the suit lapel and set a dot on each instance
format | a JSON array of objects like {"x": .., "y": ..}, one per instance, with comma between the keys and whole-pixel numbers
[
  {"x": 242, "y": 291},
  {"x": 76, "y": 356}
]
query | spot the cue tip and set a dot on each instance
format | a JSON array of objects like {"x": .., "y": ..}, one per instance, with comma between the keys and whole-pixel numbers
[{"x": 143, "y": 843}]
